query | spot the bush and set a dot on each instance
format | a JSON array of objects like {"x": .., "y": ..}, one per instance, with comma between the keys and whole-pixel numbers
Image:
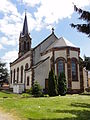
[
  {"x": 28, "y": 91},
  {"x": 36, "y": 90},
  {"x": 52, "y": 89},
  {"x": 62, "y": 86},
  {"x": 25, "y": 95}
]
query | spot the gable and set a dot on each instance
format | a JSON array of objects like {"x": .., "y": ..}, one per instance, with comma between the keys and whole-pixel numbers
[
  {"x": 42, "y": 47},
  {"x": 49, "y": 40}
]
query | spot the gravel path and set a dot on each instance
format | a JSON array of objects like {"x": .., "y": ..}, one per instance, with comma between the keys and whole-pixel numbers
[{"x": 6, "y": 116}]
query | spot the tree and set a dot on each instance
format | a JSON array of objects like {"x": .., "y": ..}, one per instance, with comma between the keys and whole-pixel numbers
[
  {"x": 52, "y": 88},
  {"x": 62, "y": 86},
  {"x": 86, "y": 62},
  {"x": 3, "y": 73},
  {"x": 84, "y": 15},
  {"x": 36, "y": 89}
]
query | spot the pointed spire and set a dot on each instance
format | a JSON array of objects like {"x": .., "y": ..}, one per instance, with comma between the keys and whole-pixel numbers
[{"x": 25, "y": 26}]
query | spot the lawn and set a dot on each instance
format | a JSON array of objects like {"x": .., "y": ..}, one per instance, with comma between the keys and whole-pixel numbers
[{"x": 70, "y": 107}]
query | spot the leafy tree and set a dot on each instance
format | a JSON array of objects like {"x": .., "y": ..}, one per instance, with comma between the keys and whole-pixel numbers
[
  {"x": 86, "y": 62},
  {"x": 81, "y": 63},
  {"x": 3, "y": 73},
  {"x": 36, "y": 89},
  {"x": 62, "y": 86},
  {"x": 52, "y": 89},
  {"x": 84, "y": 15}
]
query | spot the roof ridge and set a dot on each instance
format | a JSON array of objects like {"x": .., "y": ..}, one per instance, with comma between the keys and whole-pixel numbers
[{"x": 45, "y": 40}]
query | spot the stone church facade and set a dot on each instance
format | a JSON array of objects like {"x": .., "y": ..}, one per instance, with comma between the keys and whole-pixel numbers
[{"x": 34, "y": 64}]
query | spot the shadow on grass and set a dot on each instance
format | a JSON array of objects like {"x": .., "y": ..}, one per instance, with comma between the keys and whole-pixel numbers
[
  {"x": 83, "y": 105},
  {"x": 7, "y": 91},
  {"x": 83, "y": 114}
]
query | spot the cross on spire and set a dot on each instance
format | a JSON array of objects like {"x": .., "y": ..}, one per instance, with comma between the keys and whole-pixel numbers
[{"x": 52, "y": 30}]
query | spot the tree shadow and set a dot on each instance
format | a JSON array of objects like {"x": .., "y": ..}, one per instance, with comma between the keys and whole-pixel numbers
[
  {"x": 83, "y": 105},
  {"x": 5, "y": 91},
  {"x": 77, "y": 114}
]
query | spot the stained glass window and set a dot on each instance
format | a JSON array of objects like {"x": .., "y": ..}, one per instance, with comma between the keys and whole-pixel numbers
[
  {"x": 74, "y": 70},
  {"x": 60, "y": 66}
]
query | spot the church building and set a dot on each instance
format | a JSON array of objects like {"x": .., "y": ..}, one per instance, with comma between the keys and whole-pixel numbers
[{"x": 34, "y": 64}]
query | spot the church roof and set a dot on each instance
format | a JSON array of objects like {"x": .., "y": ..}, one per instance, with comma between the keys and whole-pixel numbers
[
  {"x": 25, "y": 26},
  {"x": 61, "y": 42},
  {"x": 45, "y": 40},
  {"x": 64, "y": 42}
]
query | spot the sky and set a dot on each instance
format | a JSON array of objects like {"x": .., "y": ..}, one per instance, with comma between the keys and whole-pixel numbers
[{"x": 42, "y": 15}]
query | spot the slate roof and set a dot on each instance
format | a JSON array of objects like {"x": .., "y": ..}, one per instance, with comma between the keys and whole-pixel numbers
[{"x": 61, "y": 42}]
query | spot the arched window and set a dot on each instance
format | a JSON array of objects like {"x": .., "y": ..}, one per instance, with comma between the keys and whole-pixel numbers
[
  {"x": 17, "y": 75},
  {"x": 28, "y": 81},
  {"x": 14, "y": 76},
  {"x": 60, "y": 66},
  {"x": 21, "y": 74},
  {"x": 74, "y": 70},
  {"x": 11, "y": 76},
  {"x": 26, "y": 66}
]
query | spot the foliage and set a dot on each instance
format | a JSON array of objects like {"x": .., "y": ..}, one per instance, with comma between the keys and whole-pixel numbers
[
  {"x": 28, "y": 91},
  {"x": 3, "y": 72},
  {"x": 25, "y": 95},
  {"x": 86, "y": 62},
  {"x": 84, "y": 15},
  {"x": 56, "y": 83},
  {"x": 52, "y": 88},
  {"x": 62, "y": 86},
  {"x": 36, "y": 89}
]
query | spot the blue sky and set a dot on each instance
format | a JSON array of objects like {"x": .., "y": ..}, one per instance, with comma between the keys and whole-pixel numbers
[{"x": 42, "y": 15}]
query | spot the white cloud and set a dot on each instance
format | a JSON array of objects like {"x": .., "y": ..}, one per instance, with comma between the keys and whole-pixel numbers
[
  {"x": 81, "y": 3},
  {"x": 9, "y": 57},
  {"x": 52, "y": 11},
  {"x": 1, "y": 47},
  {"x": 10, "y": 27},
  {"x": 7, "y": 7},
  {"x": 31, "y": 3},
  {"x": 10, "y": 23},
  {"x": 6, "y": 41}
]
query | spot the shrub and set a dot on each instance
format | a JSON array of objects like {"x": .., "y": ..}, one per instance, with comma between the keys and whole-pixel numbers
[
  {"x": 36, "y": 90},
  {"x": 52, "y": 89},
  {"x": 62, "y": 86},
  {"x": 25, "y": 95},
  {"x": 28, "y": 91}
]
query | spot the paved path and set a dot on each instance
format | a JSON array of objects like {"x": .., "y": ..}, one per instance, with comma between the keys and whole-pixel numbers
[{"x": 6, "y": 116}]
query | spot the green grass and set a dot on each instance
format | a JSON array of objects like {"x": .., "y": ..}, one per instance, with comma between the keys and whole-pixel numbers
[{"x": 70, "y": 107}]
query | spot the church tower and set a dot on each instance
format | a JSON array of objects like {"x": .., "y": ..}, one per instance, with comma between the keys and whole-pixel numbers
[{"x": 24, "y": 39}]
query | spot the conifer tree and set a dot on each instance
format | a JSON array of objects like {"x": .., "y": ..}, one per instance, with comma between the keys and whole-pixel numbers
[
  {"x": 36, "y": 89},
  {"x": 62, "y": 86},
  {"x": 52, "y": 89},
  {"x": 84, "y": 15}
]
